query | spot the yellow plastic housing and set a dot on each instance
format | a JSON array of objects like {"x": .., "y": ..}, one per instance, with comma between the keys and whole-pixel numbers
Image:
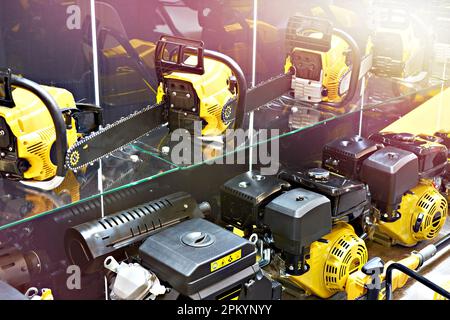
[
  {"x": 437, "y": 296},
  {"x": 213, "y": 92},
  {"x": 424, "y": 200},
  {"x": 357, "y": 282},
  {"x": 32, "y": 125},
  {"x": 332, "y": 262},
  {"x": 334, "y": 67}
]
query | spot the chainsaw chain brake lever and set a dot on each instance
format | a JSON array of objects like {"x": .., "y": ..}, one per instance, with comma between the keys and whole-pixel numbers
[
  {"x": 172, "y": 52},
  {"x": 300, "y": 28}
]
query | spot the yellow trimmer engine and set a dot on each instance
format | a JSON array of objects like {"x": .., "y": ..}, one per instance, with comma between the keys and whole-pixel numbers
[
  {"x": 332, "y": 260},
  {"x": 200, "y": 87},
  {"x": 37, "y": 124},
  {"x": 327, "y": 62}
]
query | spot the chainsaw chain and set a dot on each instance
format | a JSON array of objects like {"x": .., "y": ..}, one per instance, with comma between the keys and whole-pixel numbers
[{"x": 82, "y": 141}]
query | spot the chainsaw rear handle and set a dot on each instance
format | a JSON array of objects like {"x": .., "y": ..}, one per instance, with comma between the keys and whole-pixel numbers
[
  {"x": 356, "y": 68},
  {"x": 57, "y": 117},
  {"x": 241, "y": 83}
]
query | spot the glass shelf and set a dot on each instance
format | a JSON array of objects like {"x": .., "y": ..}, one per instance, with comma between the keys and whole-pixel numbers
[{"x": 143, "y": 161}]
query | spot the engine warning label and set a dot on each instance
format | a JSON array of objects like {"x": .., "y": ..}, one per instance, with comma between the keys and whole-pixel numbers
[{"x": 216, "y": 265}]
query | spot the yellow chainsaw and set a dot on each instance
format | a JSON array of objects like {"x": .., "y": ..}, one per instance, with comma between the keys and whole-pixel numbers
[{"x": 37, "y": 126}]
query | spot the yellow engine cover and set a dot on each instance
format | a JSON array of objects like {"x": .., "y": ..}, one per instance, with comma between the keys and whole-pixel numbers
[
  {"x": 32, "y": 125},
  {"x": 424, "y": 203},
  {"x": 332, "y": 262},
  {"x": 358, "y": 282},
  {"x": 212, "y": 89}
]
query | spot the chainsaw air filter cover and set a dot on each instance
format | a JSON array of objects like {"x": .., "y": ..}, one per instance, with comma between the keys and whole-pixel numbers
[
  {"x": 345, "y": 156},
  {"x": 196, "y": 254},
  {"x": 244, "y": 197},
  {"x": 298, "y": 218},
  {"x": 390, "y": 173},
  {"x": 349, "y": 199},
  {"x": 432, "y": 156}
]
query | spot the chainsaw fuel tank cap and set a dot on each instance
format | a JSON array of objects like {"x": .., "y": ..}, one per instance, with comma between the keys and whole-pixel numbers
[{"x": 198, "y": 239}]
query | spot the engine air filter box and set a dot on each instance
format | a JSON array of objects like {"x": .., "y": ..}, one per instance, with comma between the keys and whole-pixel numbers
[
  {"x": 345, "y": 156},
  {"x": 298, "y": 218},
  {"x": 390, "y": 173},
  {"x": 432, "y": 155},
  {"x": 196, "y": 254},
  {"x": 244, "y": 197},
  {"x": 348, "y": 198}
]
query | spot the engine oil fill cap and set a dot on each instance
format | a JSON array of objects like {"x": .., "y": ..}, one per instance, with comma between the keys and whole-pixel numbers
[
  {"x": 392, "y": 155},
  {"x": 198, "y": 239},
  {"x": 319, "y": 174}
]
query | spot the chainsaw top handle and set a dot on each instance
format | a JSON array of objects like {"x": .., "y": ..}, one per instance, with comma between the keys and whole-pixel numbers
[
  {"x": 51, "y": 105},
  {"x": 175, "y": 62}
]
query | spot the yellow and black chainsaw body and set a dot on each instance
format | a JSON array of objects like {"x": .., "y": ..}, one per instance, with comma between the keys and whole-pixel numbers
[
  {"x": 200, "y": 90},
  {"x": 28, "y": 137},
  {"x": 37, "y": 126},
  {"x": 327, "y": 63},
  {"x": 318, "y": 75}
]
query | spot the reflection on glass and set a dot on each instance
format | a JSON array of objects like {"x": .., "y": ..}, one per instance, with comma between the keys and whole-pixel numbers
[
  {"x": 127, "y": 44},
  {"x": 43, "y": 43}
]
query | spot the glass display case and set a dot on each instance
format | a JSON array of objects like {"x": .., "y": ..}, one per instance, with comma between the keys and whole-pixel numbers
[{"x": 322, "y": 61}]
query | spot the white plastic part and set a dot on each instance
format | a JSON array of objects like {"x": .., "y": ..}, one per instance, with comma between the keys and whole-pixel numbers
[
  {"x": 307, "y": 90},
  {"x": 134, "y": 158},
  {"x": 165, "y": 150},
  {"x": 133, "y": 282},
  {"x": 45, "y": 185},
  {"x": 33, "y": 294}
]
